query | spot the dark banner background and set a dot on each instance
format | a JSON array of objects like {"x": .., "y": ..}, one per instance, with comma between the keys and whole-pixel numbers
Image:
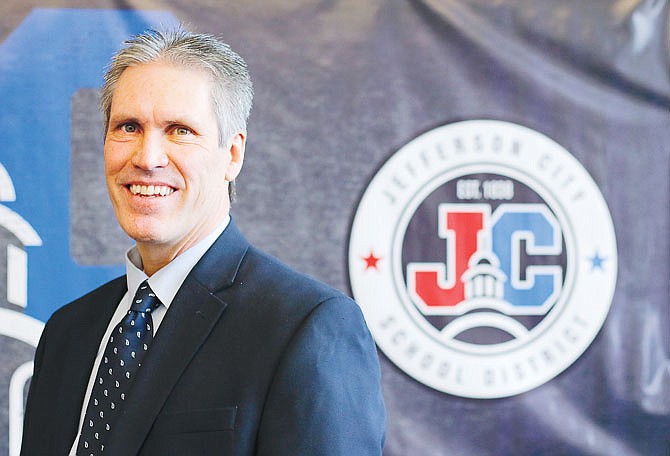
[{"x": 340, "y": 86}]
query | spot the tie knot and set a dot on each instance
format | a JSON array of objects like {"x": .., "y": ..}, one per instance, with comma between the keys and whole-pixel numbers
[{"x": 145, "y": 300}]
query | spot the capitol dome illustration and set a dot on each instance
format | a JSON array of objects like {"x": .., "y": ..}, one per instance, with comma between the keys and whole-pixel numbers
[
  {"x": 19, "y": 333},
  {"x": 484, "y": 279}
]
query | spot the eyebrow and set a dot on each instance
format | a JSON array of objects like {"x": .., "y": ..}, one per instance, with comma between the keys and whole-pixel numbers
[
  {"x": 116, "y": 119},
  {"x": 179, "y": 121},
  {"x": 122, "y": 118}
]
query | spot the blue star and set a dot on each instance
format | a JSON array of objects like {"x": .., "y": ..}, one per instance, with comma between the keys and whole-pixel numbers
[{"x": 597, "y": 261}]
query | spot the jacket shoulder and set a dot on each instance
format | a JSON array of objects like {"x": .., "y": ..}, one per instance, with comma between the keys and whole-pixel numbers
[{"x": 275, "y": 279}]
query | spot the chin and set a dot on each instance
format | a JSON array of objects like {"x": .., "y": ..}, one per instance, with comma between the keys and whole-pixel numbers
[{"x": 145, "y": 233}]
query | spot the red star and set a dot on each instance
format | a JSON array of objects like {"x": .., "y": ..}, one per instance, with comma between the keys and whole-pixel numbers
[{"x": 371, "y": 261}]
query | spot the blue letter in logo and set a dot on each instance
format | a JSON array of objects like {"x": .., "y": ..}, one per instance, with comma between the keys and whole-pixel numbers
[{"x": 535, "y": 224}]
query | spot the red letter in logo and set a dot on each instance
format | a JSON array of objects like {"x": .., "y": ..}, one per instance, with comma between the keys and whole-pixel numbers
[{"x": 434, "y": 290}]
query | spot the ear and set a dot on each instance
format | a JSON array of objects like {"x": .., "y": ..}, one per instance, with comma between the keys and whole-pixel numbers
[{"x": 236, "y": 151}]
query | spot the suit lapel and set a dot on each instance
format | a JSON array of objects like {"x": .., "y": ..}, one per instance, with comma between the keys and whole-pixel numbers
[
  {"x": 92, "y": 320},
  {"x": 193, "y": 314}
]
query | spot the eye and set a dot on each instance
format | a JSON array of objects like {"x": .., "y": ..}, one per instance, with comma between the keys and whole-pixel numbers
[
  {"x": 129, "y": 128},
  {"x": 182, "y": 131}
]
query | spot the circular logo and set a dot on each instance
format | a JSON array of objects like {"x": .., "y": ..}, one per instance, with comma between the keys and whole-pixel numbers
[{"x": 484, "y": 258}]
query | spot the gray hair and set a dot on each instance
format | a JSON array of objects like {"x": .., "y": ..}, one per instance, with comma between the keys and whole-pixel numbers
[{"x": 232, "y": 92}]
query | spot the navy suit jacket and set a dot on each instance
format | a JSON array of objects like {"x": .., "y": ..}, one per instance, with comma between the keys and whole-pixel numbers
[{"x": 252, "y": 358}]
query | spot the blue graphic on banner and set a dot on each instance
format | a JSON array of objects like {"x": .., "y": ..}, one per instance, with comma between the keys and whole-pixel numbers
[{"x": 50, "y": 56}]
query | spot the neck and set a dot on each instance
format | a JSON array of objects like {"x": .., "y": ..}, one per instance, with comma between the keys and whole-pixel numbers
[{"x": 156, "y": 255}]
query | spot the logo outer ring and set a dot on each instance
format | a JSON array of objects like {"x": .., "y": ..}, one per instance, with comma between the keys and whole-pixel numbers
[{"x": 529, "y": 365}]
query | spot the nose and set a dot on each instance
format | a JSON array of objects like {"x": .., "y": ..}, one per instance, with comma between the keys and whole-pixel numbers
[{"x": 150, "y": 153}]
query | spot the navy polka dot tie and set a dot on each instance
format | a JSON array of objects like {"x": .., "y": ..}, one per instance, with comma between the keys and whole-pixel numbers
[{"x": 123, "y": 355}]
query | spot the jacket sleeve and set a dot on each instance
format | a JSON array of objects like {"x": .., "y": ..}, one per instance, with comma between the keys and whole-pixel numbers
[{"x": 326, "y": 395}]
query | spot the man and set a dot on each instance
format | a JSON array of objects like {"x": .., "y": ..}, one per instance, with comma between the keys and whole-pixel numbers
[{"x": 223, "y": 350}]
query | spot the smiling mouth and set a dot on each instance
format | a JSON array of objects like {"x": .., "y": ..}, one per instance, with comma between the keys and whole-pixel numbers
[{"x": 150, "y": 190}]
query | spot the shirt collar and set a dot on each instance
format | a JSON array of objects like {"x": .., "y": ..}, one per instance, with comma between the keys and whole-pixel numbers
[{"x": 168, "y": 280}]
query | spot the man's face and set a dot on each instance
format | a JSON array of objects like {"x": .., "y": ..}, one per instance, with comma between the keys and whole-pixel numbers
[{"x": 167, "y": 174}]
